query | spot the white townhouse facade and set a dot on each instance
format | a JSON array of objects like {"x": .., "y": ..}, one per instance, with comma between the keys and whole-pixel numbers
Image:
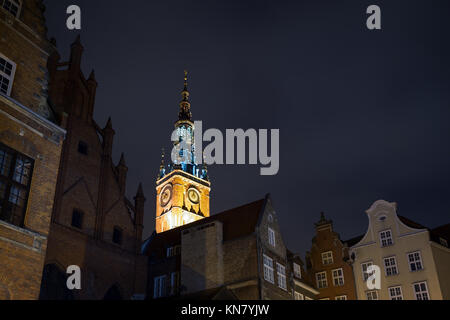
[{"x": 414, "y": 261}]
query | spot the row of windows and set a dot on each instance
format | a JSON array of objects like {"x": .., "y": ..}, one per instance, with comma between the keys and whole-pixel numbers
[
  {"x": 338, "y": 278},
  {"x": 162, "y": 289},
  {"x": 390, "y": 265},
  {"x": 269, "y": 272},
  {"x": 420, "y": 290}
]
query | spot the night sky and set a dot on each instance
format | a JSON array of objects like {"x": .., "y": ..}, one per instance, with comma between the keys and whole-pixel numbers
[{"x": 363, "y": 115}]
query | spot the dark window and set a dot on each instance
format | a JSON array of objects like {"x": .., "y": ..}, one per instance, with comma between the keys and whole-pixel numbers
[
  {"x": 11, "y": 5},
  {"x": 117, "y": 235},
  {"x": 83, "y": 148},
  {"x": 77, "y": 219},
  {"x": 15, "y": 179}
]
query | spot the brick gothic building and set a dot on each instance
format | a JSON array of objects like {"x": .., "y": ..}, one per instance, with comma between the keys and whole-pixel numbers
[
  {"x": 328, "y": 264},
  {"x": 30, "y": 149},
  {"x": 94, "y": 225}
]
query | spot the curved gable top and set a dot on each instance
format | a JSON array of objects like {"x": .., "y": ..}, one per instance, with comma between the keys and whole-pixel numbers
[
  {"x": 399, "y": 224},
  {"x": 382, "y": 203}
]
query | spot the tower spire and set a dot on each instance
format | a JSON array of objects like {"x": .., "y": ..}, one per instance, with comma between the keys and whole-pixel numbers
[{"x": 185, "y": 106}]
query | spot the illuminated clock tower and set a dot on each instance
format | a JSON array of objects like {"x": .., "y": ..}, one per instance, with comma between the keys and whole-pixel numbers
[{"x": 182, "y": 187}]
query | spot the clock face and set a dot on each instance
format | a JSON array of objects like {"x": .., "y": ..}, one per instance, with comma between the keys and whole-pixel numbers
[
  {"x": 166, "y": 195},
  {"x": 193, "y": 196}
]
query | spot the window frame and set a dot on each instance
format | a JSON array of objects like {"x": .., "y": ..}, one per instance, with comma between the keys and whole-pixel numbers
[
  {"x": 9, "y": 77},
  {"x": 338, "y": 277},
  {"x": 281, "y": 276},
  {"x": 421, "y": 292},
  {"x": 415, "y": 261},
  {"x": 298, "y": 296},
  {"x": 10, "y": 182},
  {"x": 19, "y": 7},
  {"x": 159, "y": 284},
  {"x": 390, "y": 267},
  {"x": 364, "y": 273},
  {"x": 324, "y": 280},
  {"x": 268, "y": 269},
  {"x": 297, "y": 270},
  {"x": 395, "y": 296},
  {"x": 391, "y": 238},
  {"x": 174, "y": 282},
  {"x": 371, "y": 292},
  {"x": 271, "y": 236},
  {"x": 341, "y": 297},
  {"x": 328, "y": 258}
]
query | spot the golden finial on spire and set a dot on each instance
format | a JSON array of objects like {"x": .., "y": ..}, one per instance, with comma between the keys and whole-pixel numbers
[
  {"x": 185, "y": 80},
  {"x": 185, "y": 106}
]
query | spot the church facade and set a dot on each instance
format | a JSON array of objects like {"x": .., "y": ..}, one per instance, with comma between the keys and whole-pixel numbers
[{"x": 94, "y": 225}]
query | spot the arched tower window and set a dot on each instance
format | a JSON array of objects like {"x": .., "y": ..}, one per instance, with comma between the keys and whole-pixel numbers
[{"x": 12, "y": 6}]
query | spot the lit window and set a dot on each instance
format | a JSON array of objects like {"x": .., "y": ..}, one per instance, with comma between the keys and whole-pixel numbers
[
  {"x": 395, "y": 293},
  {"x": 271, "y": 237},
  {"x": 297, "y": 271},
  {"x": 268, "y": 269},
  {"x": 415, "y": 261},
  {"x": 390, "y": 266},
  {"x": 364, "y": 267},
  {"x": 386, "y": 238},
  {"x": 344, "y": 297},
  {"x": 321, "y": 280},
  {"x": 281, "y": 273},
  {"x": 12, "y": 6},
  {"x": 372, "y": 295},
  {"x": 421, "y": 291},
  {"x": 7, "y": 72},
  {"x": 327, "y": 258},
  {"x": 159, "y": 287},
  {"x": 443, "y": 242},
  {"x": 338, "y": 277},
  {"x": 298, "y": 296},
  {"x": 15, "y": 180}
]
